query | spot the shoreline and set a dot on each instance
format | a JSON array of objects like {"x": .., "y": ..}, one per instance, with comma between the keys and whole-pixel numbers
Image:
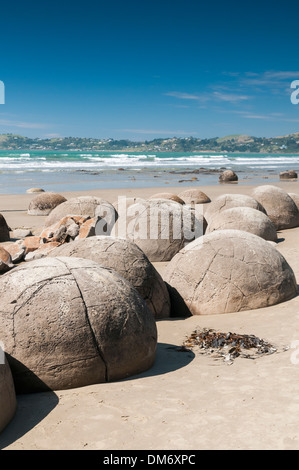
[{"x": 186, "y": 401}]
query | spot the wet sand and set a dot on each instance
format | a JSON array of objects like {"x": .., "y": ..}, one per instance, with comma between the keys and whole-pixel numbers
[{"x": 187, "y": 400}]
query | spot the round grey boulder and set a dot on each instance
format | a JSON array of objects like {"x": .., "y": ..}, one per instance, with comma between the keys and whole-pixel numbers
[
  {"x": 194, "y": 196},
  {"x": 128, "y": 260},
  {"x": 230, "y": 271},
  {"x": 8, "y": 402},
  {"x": 227, "y": 201},
  {"x": 228, "y": 176},
  {"x": 280, "y": 207},
  {"x": 69, "y": 322},
  {"x": 246, "y": 219},
  {"x": 44, "y": 203},
  {"x": 162, "y": 227},
  {"x": 170, "y": 196},
  {"x": 288, "y": 175}
]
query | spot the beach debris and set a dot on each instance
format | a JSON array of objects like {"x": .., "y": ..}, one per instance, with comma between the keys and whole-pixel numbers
[
  {"x": 4, "y": 230},
  {"x": 44, "y": 203},
  {"x": 228, "y": 346}
]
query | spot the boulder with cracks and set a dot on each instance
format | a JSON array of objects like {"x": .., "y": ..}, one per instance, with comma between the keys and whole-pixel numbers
[{"x": 69, "y": 322}]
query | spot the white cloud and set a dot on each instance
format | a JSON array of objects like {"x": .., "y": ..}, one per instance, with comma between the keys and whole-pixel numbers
[{"x": 22, "y": 124}]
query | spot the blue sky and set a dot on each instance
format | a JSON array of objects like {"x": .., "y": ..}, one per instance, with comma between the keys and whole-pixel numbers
[{"x": 145, "y": 69}]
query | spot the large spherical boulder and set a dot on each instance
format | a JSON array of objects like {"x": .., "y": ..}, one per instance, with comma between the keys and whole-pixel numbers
[
  {"x": 8, "y": 402},
  {"x": 69, "y": 322},
  {"x": 194, "y": 196},
  {"x": 86, "y": 206},
  {"x": 227, "y": 201},
  {"x": 44, "y": 203},
  {"x": 170, "y": 196},
  {"x": 228, "y": 176},
  {"x": 128, "y": 260},
  {"x": 161, "y": 228},
  {"x": 230, "y": 271},
  {"x": 246, "y": 219},
  {"x": 280, "y": 207},
  {"x": 4, "y": 230}
]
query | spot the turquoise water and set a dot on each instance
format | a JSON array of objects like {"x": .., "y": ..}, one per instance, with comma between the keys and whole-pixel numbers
[{"x": 81, "y": 170}]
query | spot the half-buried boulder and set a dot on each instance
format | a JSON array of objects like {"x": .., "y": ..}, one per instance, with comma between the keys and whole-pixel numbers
[
  {"x": 69, "y": 322},
  {"x": 170, "y": 196},
  {"x": 280, "y": 207},
  {"x": 229, "y": 271},
  {"x": 244, "y": 218},
  {"x": 194, "y": 196},
  {"x": 162, "y": 227},
  {"x": 44, "y": 203},
  {"x": 8, "y": 402},
  {"x": 227, "y": 201},
  {"x": 128, "y": 260}
]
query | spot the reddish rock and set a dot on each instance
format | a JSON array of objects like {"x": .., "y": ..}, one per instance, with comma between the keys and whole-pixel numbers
[{"x": 5, "y": 261}]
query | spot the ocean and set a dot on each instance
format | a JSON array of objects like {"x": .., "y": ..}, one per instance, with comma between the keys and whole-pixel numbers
[{"x": 85, "y": 170}]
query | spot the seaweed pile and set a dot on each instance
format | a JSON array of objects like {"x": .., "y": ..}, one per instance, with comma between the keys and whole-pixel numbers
[{"x": 229, "y": 345}]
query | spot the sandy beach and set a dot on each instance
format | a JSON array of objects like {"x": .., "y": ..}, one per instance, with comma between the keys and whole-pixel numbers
[{"x": 187, "y": 400}]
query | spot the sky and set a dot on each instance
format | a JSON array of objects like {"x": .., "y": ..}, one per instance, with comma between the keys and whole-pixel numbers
[{"x": 141, "y": 70}]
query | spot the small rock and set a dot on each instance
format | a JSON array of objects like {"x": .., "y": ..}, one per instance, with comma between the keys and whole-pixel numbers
[
  {"x": 21, "y": 233},
  {"x": 35, "y": 190},
  {"x": 227, "y": 176},
  {"x": 5, "y": 261}
]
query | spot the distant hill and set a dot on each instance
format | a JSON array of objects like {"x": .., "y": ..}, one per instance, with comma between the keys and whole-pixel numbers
[{"x": 228, "y": 144}]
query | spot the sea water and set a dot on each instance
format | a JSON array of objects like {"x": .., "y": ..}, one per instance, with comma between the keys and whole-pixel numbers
[{"x": 83, "y": 170}]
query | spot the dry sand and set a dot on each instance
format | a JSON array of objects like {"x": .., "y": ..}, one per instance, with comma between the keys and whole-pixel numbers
[{"x": 187, "y": 401}]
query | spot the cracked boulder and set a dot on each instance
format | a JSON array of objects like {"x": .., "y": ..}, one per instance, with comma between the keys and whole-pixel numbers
[
  {"x": 8, "y": 401},
  {"x": 229, "y": 271},
  {"x": 128, "y": 260},
  {"x": 227, "y": 201},
  {"x": 246, "y": 219},
  {"x": 280, "y": 206},
  {"x": 91, "y": 206},
  {"x": 161, "y": 228},
  {"x": 69, "y": 322},
  {"x": 44, "y": 203}
]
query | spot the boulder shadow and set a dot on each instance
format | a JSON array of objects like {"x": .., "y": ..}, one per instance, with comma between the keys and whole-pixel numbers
[
  {"x": 31, "y": 407},
  {"x": 169, "y": 357}
]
